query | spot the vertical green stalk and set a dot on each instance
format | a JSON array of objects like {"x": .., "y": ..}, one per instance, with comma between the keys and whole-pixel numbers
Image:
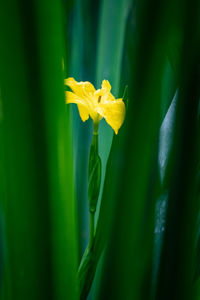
[
  {"x": 85, "y": 272},
  {"x": 94, "y": 180},
  {"x": 94, "y": 171},
  {"x": 91, "y": 234}
]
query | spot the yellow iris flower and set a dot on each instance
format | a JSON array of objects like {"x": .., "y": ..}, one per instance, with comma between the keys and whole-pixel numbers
[{"x": 97, "y": 104}]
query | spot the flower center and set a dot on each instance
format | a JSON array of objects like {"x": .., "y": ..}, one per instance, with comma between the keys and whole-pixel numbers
[{"x": 99, "y": 99}]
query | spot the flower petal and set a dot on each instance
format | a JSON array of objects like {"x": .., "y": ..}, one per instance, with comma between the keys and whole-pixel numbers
[
  {"x": 104, "y": 92},
  {"x": 83, "y": 89},
  {"x": 83, "y": 112},
  {"x": 106, "y": 85},
  {"x": 97, "y": 104},
  {"x": 82, "y": 105},
  {"x": 113, "y": 112},
  {"x": 73, "y": 98}
]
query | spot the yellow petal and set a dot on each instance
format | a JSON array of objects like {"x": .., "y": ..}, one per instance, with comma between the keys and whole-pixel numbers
[
  {"x": 97, "y": 104},
  {"x": 105, "y": 89},
  {"x": 82, "y": 105},
  {"x": 73, "y": 98},
  {"x": 85, "y": 109},
  {"x": 98, "y": 93},
  {"x": 83, "y": 89},
  {"x": 83, "y": 112},
  {"x": 104, "y": 92},
  {"x": 106, "y": 85},
  {"x": 113, "y": 112}
]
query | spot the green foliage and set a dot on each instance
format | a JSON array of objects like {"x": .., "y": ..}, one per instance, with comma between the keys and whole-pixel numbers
[
  {"x": 37, "y": 207},
  {"x": 146, "y": 237}
]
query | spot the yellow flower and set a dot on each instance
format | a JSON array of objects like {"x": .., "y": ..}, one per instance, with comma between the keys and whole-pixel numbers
[{"x": 97, "y": 104}]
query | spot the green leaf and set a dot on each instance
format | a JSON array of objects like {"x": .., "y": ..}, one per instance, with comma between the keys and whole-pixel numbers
[
  {"x": 39, "y": 208},
  {"x": 86, "y": 272},
  {"x": 109, "y": 63}
]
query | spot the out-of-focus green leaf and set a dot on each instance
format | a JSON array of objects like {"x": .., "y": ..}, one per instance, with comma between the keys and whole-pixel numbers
[
  {"x": 79, "y": 130},
  {"x": 129, "y": 204},
  {"x": 111, "y": 39},
  {"x": 40, "y": 220},
  {"x": 176, "y": 273}
]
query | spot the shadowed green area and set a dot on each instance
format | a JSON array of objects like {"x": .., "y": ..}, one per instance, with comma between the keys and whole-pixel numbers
[
  {"x": 40, "y": 256},
  {"x": 132, "y": 183}
]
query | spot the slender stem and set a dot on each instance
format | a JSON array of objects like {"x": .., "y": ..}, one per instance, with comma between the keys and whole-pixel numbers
[
  {"x": 95, "y": 128},
  {"x": 91, "y": 236},
  {"x": 92, "y": 213}
]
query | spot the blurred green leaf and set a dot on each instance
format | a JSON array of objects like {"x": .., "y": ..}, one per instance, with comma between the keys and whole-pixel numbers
[
  {"x": 39, "y": 207},
  {"x": 128, "y": 205},
  {"x": 112, "y": 23}
]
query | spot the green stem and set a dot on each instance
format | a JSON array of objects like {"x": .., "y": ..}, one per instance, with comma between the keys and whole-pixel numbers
[
  {"x": 88, "y": 263},
  {"x": 91, "y": 235},
  {"x": 92, "y": 213},
  {"x": 95, "y": 128}
]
